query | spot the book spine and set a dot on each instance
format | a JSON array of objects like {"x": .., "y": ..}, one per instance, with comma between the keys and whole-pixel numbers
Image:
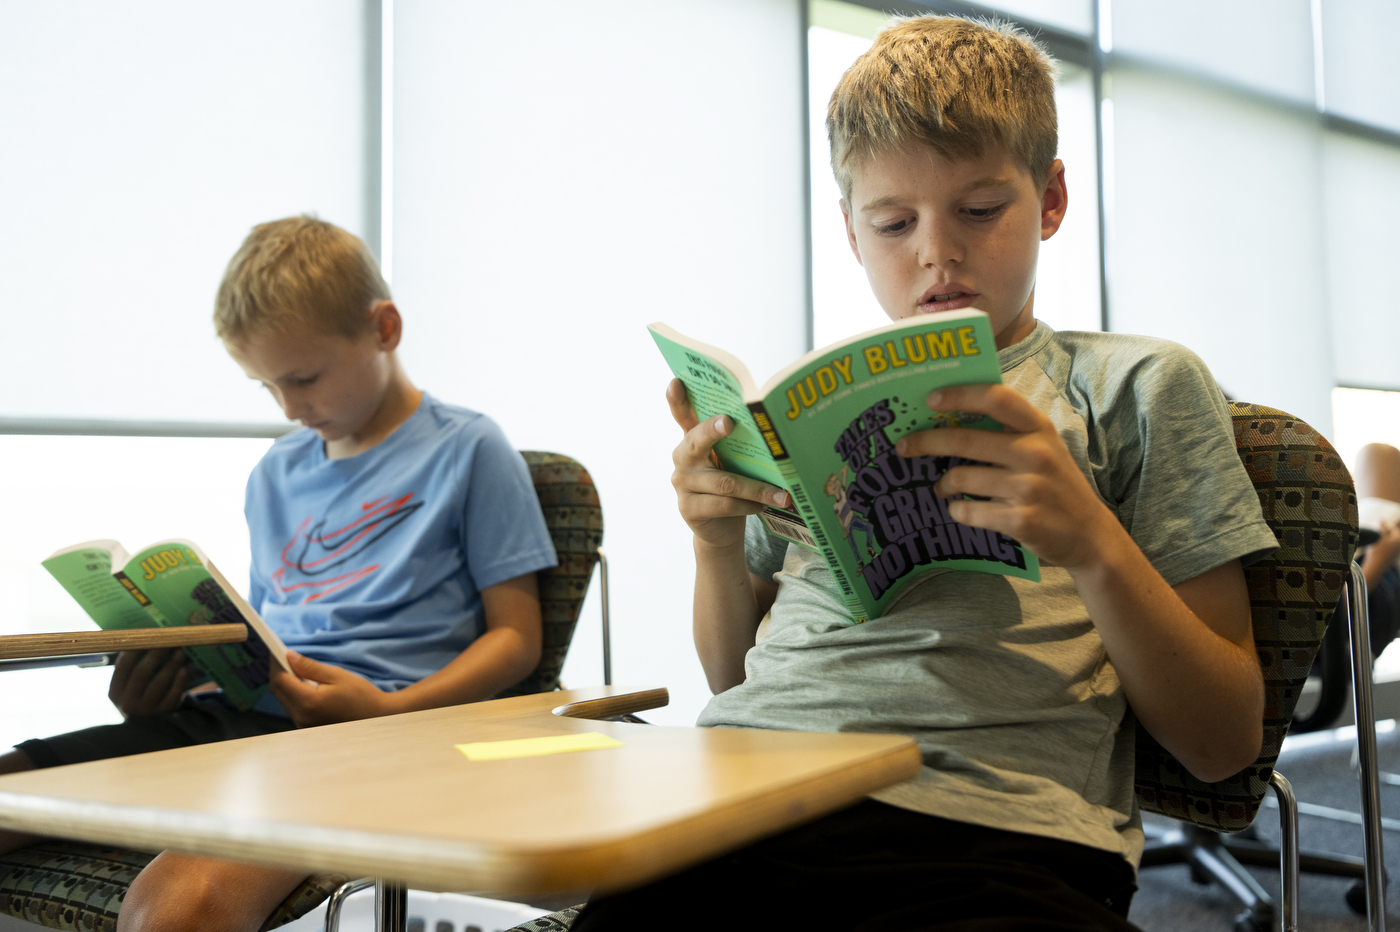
[
  {"x": 141, "y": 598},
  {"x": 806, "y": 526}
]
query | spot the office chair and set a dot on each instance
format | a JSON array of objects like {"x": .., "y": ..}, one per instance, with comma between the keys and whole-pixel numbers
[
  {"x": 1308, "y": 499},
  {"x": 78, "y": 887}
]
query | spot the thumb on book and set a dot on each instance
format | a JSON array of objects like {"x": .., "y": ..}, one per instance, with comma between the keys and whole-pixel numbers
[{"x": 313, "y": 670}]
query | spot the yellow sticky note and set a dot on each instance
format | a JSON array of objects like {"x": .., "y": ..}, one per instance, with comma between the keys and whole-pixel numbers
[{"x": 534, "y": 747}]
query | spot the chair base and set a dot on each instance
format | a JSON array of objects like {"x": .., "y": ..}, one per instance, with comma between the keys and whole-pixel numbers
[{"x": 1215, "y": 857}]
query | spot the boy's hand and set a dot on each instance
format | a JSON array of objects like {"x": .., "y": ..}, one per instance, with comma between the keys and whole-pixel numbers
[
  {"x": 1381, "y": 555},
  {"x": 333, "y": 694},
  {"x": 1037, "y": 493},
  {"x": 148, "y": 682},
  {"x": 713, "y": 502}
]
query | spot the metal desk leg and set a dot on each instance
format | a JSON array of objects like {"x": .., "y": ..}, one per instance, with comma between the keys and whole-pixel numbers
[
  {"x": 390, "y": 906},
  {"x": 1366, "y": 750}
]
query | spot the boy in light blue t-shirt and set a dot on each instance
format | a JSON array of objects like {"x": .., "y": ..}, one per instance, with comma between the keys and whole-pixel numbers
[{"x": 395, "y": 542}]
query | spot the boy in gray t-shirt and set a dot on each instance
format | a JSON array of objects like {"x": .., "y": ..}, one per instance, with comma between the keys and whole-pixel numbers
[{"x": 1116, "y": 467}]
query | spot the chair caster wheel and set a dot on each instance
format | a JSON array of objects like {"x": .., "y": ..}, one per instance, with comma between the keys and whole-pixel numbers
[
  {"x": 1247, "y": 922},
  {"x": 1356, "y": 897}
]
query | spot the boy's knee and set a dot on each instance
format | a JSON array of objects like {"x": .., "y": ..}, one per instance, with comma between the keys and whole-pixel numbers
[
  {"x": 184, "y": 893},
  {"x": 15, "y": 761}
]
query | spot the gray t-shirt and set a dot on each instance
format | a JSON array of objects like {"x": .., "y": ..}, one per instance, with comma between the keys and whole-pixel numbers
[{"x": 1004, "y": 683}]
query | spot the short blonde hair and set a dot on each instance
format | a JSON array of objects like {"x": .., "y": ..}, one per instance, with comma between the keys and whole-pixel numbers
[
  {"x": 298, "y": 270},
  {"x": 956, "y": 85}
]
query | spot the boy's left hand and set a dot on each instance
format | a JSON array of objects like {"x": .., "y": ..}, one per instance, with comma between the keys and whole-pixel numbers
[
  {"x": 333, "y": 694},
  {"x": 1037, "y": 494}
]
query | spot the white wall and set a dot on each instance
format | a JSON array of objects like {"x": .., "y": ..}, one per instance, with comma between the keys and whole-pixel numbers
[
  {"x": 563, "y": 176},
  {"x": 1361, "y": 181}
]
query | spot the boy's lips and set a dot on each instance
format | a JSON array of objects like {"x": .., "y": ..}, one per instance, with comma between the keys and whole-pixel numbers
[{"x": 950, "y": 297}]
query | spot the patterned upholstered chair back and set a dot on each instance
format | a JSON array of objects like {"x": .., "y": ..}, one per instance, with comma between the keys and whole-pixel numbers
[
  {"x": 574, "y": 517},
  {"x": 1308, "y": 499}
]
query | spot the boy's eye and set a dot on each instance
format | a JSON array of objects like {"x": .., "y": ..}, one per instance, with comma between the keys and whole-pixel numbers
[
  {"x": 985, "y": 213},
  {"x": 307, "y": 380},
  {"x": 886, "y": 229}
]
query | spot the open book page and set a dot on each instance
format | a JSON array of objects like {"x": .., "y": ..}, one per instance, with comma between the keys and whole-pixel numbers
[
  {"x": 716, "y": 383},
  {"x": 85, "y": 570}
]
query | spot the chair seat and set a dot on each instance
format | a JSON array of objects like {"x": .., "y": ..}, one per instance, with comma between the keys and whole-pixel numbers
[
  {"x": 553, "y": 922},
  {"x": 78, "y": 887}
]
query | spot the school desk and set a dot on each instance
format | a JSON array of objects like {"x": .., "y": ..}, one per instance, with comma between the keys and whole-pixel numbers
[{"x": 394, "y": 798}]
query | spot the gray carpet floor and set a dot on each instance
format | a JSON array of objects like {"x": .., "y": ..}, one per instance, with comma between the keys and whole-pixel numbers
[{"x": 1321, "y": 773}]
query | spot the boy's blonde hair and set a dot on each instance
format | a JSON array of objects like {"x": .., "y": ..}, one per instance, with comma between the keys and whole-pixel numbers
[
  {"x": 298, "y": 270},
  {"x": 956, "y": 85}
]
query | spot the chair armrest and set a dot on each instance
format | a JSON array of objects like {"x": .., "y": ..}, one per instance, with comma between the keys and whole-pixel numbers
[{"x": 610, "y": 706}]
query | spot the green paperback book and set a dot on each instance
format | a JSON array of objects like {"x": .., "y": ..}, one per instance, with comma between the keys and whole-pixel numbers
[
  {"x": 172, "y": 583},
  {"x": 824, "y": 428}
]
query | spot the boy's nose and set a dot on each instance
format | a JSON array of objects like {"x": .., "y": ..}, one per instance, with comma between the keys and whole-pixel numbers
[
  {"x": 939, "y": 247},
  {"x": 292, "y": 406}
]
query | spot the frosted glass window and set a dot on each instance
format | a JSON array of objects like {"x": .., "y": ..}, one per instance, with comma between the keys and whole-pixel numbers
[
  {"x": 841, "y": 300},
  {"x": 1067, "y": 285},
  {"x": 1361, "y": 181},
  {"x": 1070, "y": 15},
  {"x": 1067, "y": 275},
  {"x": 629, "y": 162},
  {"x": 143, "y": 140},
  {"x": 1217, "y": 237},
  {"x": 1358, "y": 40},
  {"x": 137, "y": 490},
  {"x": 1266, "y": 45},
  {"x": 1361, "y": 416}
]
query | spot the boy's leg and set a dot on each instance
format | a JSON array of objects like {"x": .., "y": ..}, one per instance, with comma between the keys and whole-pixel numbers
[
  {"x": 878, "y": 867},
  {"x": 222, "y": 887},
  {"x": 188, "y": 893}
]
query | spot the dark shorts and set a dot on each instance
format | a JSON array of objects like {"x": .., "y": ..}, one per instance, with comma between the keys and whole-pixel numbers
[
  {"x": 198, "y": 720},
  {"x": 877, "y": 867}
]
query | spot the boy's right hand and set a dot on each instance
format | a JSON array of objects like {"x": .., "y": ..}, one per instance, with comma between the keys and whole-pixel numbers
[
  {"x": 713, "y": 502},
  {"x": 148, "y": 682}
]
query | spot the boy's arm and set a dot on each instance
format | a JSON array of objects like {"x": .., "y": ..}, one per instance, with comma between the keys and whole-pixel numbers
[
  {"x": 1185, "y": 654},
  {"x": 507, "y": 650},
  {"x": 729, "y": 600}
]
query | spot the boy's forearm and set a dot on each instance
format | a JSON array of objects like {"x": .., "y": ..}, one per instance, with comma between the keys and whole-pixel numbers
[
  {"x": 726, "y": 613},
  {"x": 1199, "y": 692},
  {"x": 499, "y": 658}
]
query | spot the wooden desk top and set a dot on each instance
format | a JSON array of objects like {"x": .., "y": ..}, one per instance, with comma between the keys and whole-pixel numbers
[{"x": 393, "y": 798}]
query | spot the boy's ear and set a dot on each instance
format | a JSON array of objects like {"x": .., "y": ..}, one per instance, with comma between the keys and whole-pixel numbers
[
  {"x": 1053, "y": 200},
  {"x": 850, "y": 231},
  {"x": 387, "y": 325}
]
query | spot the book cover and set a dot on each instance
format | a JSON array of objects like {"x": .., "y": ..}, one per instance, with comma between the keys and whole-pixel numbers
[
  {"x": 824, "y": 428},
  {"x": 167, "y": 584}
]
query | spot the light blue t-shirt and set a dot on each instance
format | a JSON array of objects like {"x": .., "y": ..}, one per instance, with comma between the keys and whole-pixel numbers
[{"x": 375, "y": 563}]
